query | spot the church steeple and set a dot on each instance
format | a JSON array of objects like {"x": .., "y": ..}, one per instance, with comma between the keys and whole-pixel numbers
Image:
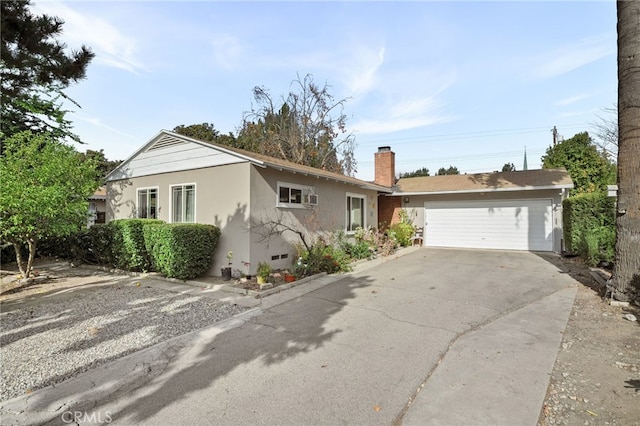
[{"x": 524, "y": 166}]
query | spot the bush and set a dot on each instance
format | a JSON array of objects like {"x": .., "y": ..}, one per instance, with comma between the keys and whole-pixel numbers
[
  {"x": 403, "y": 232},
  {"x": 182, "y": 251},
  {"x": 321, "y": 257},
  {"x": 97, "y": 244},
  {"x": 598, "y": 245},
  {"x": 128, "y": 247},
  {"x": 589, "y": 226}
]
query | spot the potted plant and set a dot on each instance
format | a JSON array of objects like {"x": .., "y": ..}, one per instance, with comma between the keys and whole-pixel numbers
[
  {"x": 226, "y": 271},
  {"x": 246, "y": 265},
  {"x": 264, "y": 270},
  {"x": 289, "y": 277}
]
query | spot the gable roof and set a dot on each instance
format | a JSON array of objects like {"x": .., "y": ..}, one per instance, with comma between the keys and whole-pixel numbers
[
  {"x": 166, "y": 140},
  {"x": 485, "y": 182}
]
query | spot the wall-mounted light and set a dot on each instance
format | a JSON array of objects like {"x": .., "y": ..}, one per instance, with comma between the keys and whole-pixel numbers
[{"x": 406, "y": 200}]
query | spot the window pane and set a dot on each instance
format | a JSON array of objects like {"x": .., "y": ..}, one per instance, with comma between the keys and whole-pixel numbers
[
  {"x": 142, "y": 204},
  {"x": 177, "y": 204},
  {"x": 190, "y": 202},
  {"x": 284, "y": 194},
  {"x": 153, "y": 202},
  {"x": 296, "y": 196},
  {"x": 355, "y": 208}
]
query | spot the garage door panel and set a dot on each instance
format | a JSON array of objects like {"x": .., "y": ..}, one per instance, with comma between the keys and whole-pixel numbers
[{"x": 503, "y": 224}]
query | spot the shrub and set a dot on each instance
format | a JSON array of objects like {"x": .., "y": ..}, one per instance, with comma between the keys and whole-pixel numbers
[
  {"x": 403, "y": 232},
  {"x": 589, "y": 226},
  {"x": 97, "y": 244},
  {"x": 321, "y": 257},
  {"x": 182, "y": 251},
  {"x": 128, "y": 246}
]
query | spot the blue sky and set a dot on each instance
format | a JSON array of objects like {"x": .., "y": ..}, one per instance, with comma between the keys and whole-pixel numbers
[{"x": 468, "y": 84}]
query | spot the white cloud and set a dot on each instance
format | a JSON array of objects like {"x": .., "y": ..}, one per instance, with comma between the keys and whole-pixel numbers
[
  {"x": 572, "y": 99},
  {"x": 98, "y": 123},
  {"x": 361, "y": 78},
  {"x": 112, "y": 48},
  {"x": 569, "y": 58}
]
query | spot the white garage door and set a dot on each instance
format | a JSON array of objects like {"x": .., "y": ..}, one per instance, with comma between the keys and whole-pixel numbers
[{"x": 496, "y": 224}]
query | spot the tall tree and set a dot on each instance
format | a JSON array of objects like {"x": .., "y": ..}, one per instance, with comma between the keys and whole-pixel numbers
[
  {"x": 590, "y": 169},
  {"x": 35, "y": 70},
  {"x": 103, "y": 165},
  {"x": 626, "y": 272},
  {"x": 509, "y": 167},
  {"x": 417, "y": 173},
  {"x": 308, "y": 126},
  {"x": 40, "y": 196},
  {"x": 206, "y": 132},
  {"x": 450, "y": 171}
]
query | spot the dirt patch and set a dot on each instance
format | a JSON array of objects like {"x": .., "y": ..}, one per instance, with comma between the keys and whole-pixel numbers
[
  {"x": 596, "y": 377},
  {"x": 52, "y": 275}
]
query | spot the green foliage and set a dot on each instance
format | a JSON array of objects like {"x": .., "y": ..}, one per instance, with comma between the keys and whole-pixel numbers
[
  {"x": 264, "y": 270},
  {"x": 128, "y": 244},
  {"x": 181, "y": 250},
  {"x": 103, "y": 166},
  {"x": 403, "y": 230},
  {"x": 509, "y": 167},
  {"x": 590, "y": 169},
  {"x": 308, "y": 127},
  {"x": 321, "y": 257},
  {"x": 589, "y": 226},
  {"x": 97, "y": 243},
  {"x": 35, "y": 71},
  {"x": 420, "y": 172},
  {"x": 450, "y": 171},
  {"x": 382, "y": 243},
  {"x": 206, "y": 132},
  {"x": 40, "y": 198}
]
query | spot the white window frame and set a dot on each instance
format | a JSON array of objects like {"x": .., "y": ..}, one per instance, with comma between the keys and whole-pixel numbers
[
  {"x": 304, "y": 191},
  {"x": 183, "y": 206},
  {"x": 347, "y": 217},
  {"x": 138, "y": 190}
]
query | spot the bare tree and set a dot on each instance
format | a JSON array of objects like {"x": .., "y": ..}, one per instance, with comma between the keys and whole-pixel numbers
[
  {"x": 606, "y": 131},
  {"x": 626, "y": 272},
  {"x": 308, "y": 127}
]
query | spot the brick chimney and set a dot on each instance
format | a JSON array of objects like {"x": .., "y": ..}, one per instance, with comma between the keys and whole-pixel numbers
[{"x": 385, "y": 166}]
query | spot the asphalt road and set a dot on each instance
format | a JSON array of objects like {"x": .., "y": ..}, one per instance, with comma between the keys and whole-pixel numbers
[{"x": 432, "y": 337}]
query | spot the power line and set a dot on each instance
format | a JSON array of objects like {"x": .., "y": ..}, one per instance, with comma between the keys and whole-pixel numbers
[
  {"x": 466, "y": 135},
  {"x": 459, "y": 158}
]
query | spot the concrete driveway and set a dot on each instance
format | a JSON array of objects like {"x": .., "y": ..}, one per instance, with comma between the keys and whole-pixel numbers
[{"x": 433, "y": 337}]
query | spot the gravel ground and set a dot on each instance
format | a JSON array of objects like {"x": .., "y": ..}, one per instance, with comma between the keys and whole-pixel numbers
[
  {"x": 596, "y": 377},
  {"x": 48, "y": 342}
]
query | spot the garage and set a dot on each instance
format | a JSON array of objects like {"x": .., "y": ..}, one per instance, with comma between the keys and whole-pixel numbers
[{"x": 506, "y": 224}]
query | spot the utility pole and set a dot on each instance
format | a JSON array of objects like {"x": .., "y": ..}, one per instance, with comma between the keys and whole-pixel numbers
[{"x": 554, "y": 131}]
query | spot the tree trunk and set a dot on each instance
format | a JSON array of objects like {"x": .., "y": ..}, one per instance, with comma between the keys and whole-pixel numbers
[{"x": 626, "y": 273}]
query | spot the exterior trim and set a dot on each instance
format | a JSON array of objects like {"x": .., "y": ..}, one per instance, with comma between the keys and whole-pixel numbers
[{"x": 479, "y": 191}]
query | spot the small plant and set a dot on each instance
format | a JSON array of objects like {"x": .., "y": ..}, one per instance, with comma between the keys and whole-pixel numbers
[
  {"x": 264, "y": 270},
  {"x": 229, "y": 257}
]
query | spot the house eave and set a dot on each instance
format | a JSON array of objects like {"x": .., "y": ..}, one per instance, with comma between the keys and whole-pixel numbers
[
  {"x": 483, "y": 191},
  {"x": 361, "y": 185}
]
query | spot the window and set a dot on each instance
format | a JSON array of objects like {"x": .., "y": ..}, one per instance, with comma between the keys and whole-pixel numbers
[
  {"x": 355, "y": 212},
  {"x": 296, "y": 196},
  {"x": 148, "y": 203},
  {"x": 183, "y": 203}
]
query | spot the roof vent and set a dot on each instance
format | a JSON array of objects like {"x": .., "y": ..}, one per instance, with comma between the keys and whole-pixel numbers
[{"x": 166, "y": 141}]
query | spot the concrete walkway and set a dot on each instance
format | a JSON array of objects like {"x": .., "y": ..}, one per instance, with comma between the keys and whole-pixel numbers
[{"x": 433, "y": 337}]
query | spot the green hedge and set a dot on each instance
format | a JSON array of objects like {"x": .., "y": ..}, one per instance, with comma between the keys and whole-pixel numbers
[
  {"x": 589, "y": 223},
  {"x": 128, "y": 247},
  {"x": 182, "y": 251}
]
